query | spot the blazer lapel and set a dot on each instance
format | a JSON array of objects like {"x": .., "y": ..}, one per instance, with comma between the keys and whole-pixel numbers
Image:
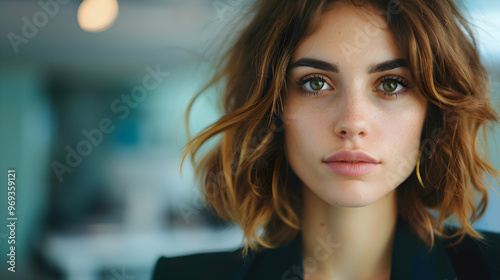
[
  {"x": 280, "y": 263},
  {"x": 411, "y": 260}
]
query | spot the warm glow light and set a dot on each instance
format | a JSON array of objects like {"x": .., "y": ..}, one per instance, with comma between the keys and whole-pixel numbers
[{"x": 97, "y": 15}]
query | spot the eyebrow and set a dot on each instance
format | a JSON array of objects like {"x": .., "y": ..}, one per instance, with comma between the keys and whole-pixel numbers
[
  {"x": 314, "y": 63},
  {"x": 388, "y": 65},
  {"x": 323, "y": 65}
]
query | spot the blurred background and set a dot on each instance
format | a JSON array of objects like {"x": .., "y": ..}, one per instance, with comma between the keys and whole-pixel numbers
[{"x": 92, "y": 101}]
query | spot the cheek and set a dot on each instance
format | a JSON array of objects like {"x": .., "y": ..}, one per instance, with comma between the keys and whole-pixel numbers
[
  {"x": 304, "y": 128},
  {"x": 295, "y": 131},
  {"x": 402, "y": 138}
]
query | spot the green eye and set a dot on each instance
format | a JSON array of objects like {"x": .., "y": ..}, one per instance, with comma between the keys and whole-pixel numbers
[
  {"x": 314, "y": 84},
  {"x": 317, "y": 84},
  {"x": 389, "y": 85},
  {"x": 392, "y": 86}
]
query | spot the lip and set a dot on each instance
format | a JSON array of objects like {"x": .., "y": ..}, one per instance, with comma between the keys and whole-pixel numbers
[{"x": 339, "y": 164}]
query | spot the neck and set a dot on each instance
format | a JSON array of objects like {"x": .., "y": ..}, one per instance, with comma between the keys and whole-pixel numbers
[{"x": 348, "y": 243}]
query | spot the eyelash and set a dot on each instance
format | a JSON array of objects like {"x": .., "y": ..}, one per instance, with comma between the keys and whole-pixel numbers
[
  {"x": 309, "y": 78},
  {"x": 400, "y": 80}
]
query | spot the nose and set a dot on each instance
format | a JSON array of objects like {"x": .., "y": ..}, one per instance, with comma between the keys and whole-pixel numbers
[{"x": 352, "y": 116}]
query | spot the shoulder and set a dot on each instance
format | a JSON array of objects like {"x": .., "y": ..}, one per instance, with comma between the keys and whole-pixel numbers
[
  {"x": 481, "y": 256},
  {"x": 489, "y": 246},
  {"x": 213, "y": 265},
  {"x": 491, "y": 241},
  {"x": 490, "y": 249}
]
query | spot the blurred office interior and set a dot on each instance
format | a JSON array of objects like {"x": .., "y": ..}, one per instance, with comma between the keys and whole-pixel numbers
[{"x": 99, "y": 193}]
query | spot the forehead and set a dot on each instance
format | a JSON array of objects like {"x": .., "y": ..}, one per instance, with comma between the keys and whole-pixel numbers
[{"x": 348, "y": 33}]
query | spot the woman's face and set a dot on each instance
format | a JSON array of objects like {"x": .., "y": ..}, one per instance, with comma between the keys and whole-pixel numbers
[{"x": 353, "y": 115}]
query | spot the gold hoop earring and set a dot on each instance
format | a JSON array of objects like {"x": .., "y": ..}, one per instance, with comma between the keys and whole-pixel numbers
[{"x": 418, "y": 169}]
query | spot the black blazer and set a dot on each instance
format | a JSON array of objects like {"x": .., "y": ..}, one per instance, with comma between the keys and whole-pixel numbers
[{"x": 411, "y": 260}]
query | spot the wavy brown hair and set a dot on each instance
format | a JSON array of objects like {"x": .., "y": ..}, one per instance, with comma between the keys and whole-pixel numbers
[{"x": 245, "y": 176}]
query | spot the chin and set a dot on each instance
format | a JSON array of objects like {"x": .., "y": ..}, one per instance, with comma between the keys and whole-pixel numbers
[{"x": 353, "y": 194}]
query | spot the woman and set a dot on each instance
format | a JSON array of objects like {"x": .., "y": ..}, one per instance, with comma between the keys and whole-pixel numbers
[{"x": 349, "y": 136}]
